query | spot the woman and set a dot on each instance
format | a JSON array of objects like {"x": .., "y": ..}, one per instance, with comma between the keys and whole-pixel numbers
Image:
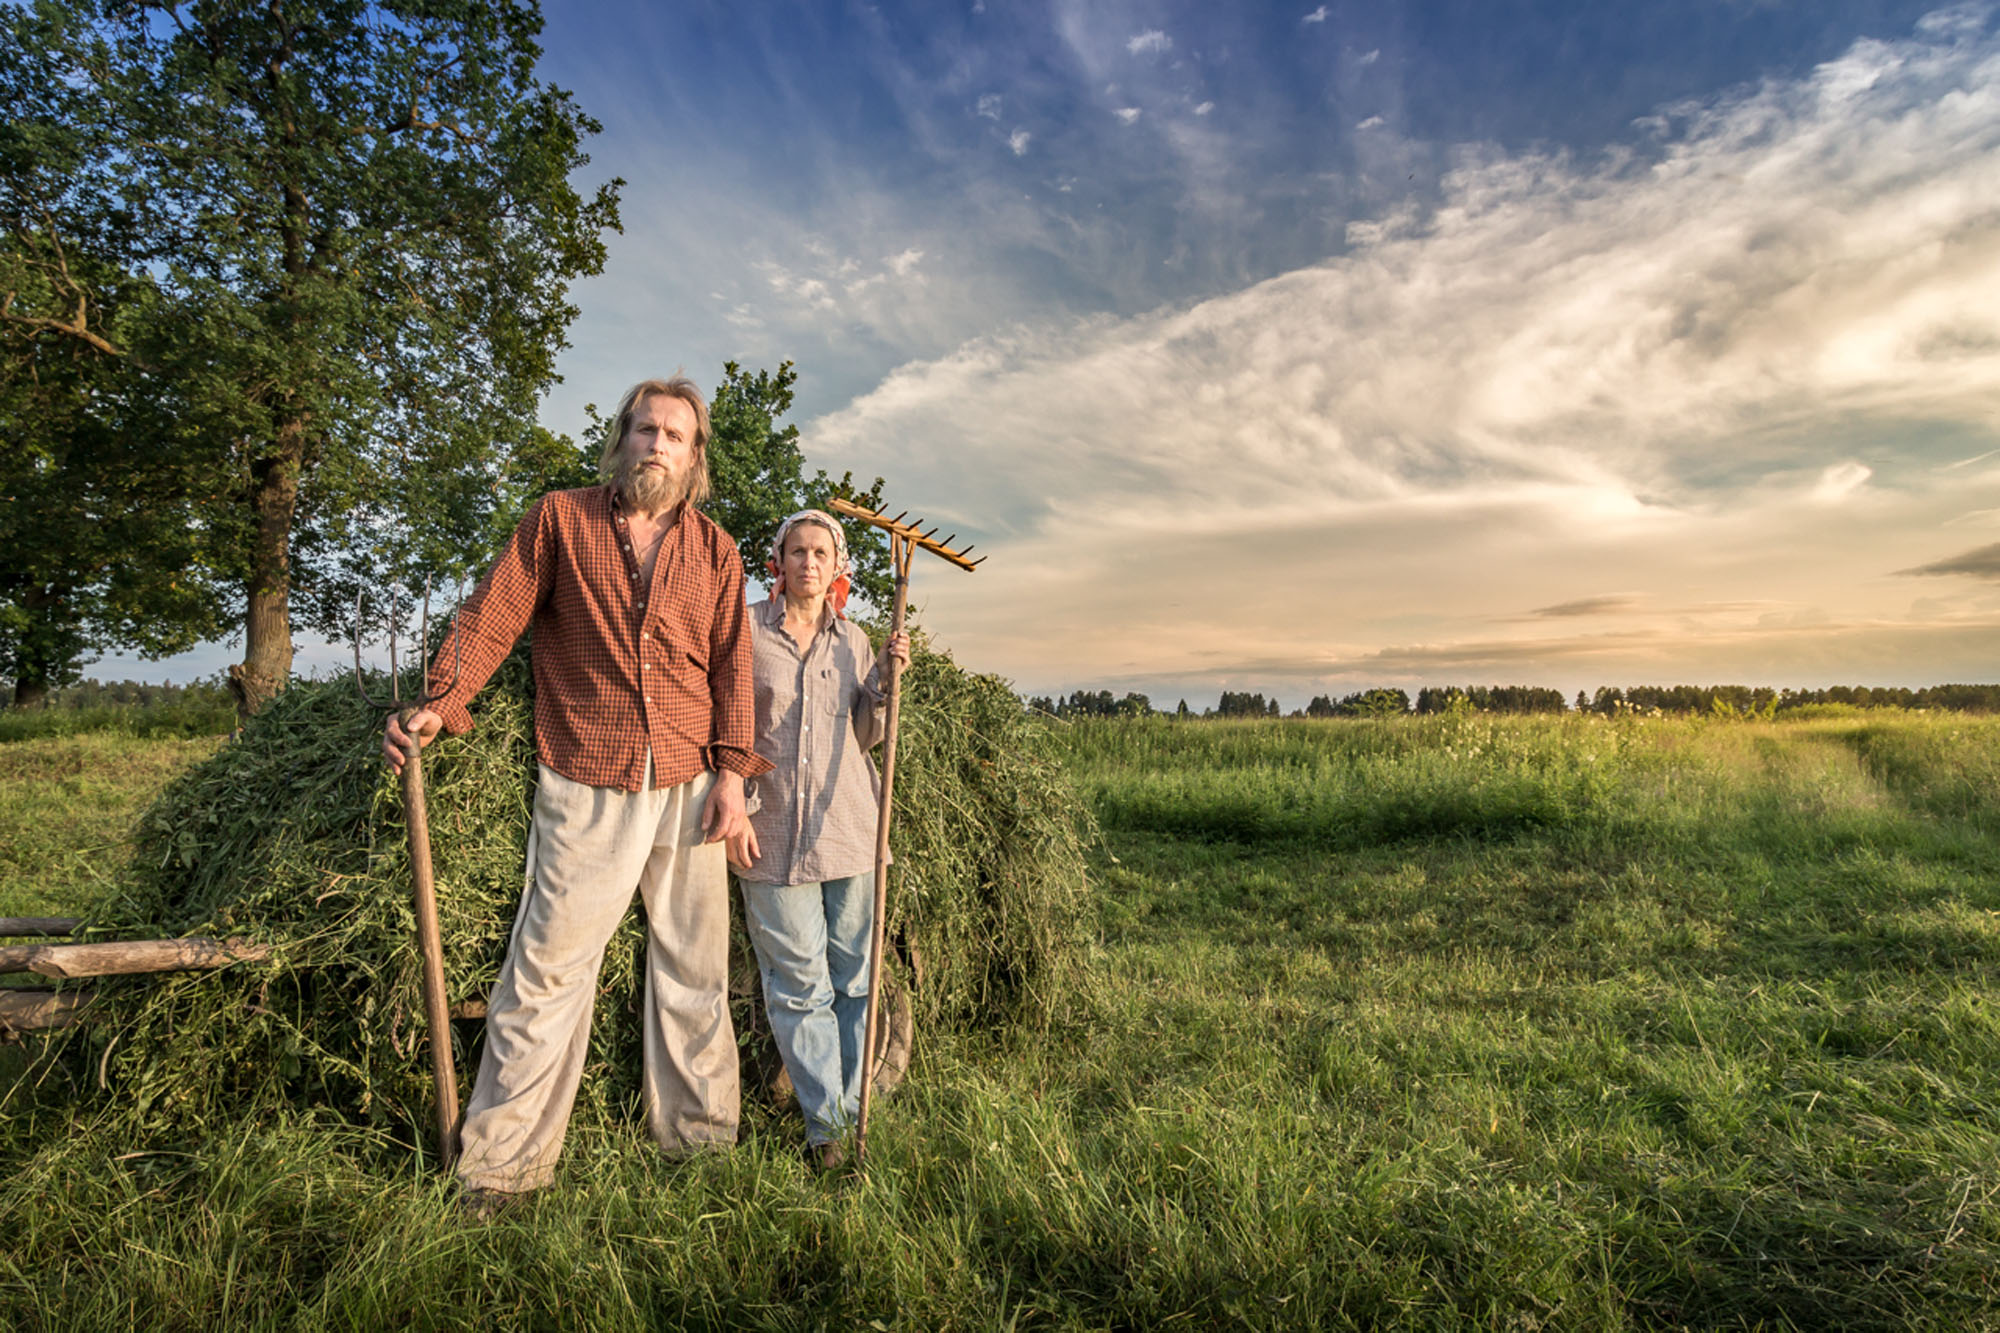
[{"x": 807, "y": 860}]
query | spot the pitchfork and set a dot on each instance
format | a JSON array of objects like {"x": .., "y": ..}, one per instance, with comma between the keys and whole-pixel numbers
[
  {"x": 444, "y": 1073},
  {"x": 904, "y": 539}
]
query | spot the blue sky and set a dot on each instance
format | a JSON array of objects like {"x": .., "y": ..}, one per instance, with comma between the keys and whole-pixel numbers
[{"x": 1300, "y": 348}]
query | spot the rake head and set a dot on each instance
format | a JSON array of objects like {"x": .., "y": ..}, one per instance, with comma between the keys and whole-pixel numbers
[{"x": 906, "y": 534}]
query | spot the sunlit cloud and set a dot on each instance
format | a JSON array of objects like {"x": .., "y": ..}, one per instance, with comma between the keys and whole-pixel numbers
[
  {"x": 1150, "y": 42},
  {"x": 1712, "y": 362},
  {"x": 1316, "y": 16}
]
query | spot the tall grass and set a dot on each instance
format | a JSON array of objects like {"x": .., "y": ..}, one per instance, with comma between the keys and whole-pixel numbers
[{"x": 1448, "y": 1023}]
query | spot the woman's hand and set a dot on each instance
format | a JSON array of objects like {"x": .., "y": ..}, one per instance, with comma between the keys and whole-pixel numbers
[
  {"x": 897, "y": 645},
  {"x": 742, "y": 850}
]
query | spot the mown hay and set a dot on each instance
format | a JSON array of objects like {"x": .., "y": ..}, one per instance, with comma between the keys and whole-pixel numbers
[{"x": 293, "y": 834}]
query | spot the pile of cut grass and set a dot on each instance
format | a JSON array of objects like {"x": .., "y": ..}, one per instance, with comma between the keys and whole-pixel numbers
[{"x": 293, "y": 835}]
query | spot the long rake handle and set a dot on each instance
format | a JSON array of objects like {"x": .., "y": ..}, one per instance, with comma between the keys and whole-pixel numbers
[
  {"x": 881, "y": 873},
  {"x": 430, "y": 943}
]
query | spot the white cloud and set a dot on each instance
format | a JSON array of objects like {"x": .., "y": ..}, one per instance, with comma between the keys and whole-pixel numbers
[
  {"x": 904, "y": 264},
  {"x": 1370, "y": 123},
  {"x": 1368, "y": 59},
  {"x": 1317, "y": 16},
  {"x": 1841, "y": 481},
  {"x": 1203, "y": 108},
  {"x": 1018, "y": 141},
  {"x": 1150, "y": 42},
  {"x": 989, "y": 106},
  {"x": 1568, "y": 377},
  {"x": 1127, "y": 114}
]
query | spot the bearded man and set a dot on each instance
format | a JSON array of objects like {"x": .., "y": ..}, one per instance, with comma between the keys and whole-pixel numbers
[{"x": 643, "y": 728}]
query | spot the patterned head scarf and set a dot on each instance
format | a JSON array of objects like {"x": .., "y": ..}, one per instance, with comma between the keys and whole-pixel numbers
[{"x": 843, "y": 568}]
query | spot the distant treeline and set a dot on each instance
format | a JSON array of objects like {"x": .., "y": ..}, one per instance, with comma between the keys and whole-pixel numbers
[
  {"x": 101, "y": 694},
  {"x": 1609, "y": 700},
  {"x": 130, "y": 707}
]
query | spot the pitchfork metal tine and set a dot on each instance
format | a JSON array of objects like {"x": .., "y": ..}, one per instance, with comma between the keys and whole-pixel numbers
[{"x": 424, "y": 696}]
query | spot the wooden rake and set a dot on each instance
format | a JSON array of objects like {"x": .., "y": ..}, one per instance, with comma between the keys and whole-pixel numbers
[
  {"x": 430, "y": 943},
  {"x": 904, "y": 539}
]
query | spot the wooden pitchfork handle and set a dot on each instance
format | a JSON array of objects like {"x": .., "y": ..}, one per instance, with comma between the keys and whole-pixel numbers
[{"x": 430, "y": 943}]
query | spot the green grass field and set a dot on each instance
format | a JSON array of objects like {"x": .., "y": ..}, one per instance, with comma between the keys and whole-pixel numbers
[{"x": 1431, "y": 1023}]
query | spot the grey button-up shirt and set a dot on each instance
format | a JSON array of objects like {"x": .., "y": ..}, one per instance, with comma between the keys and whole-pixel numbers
[{"x": 819, "y": 711}]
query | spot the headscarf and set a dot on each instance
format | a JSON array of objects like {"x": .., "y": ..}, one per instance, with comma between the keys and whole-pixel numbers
[{"x": 843, "y": 568}]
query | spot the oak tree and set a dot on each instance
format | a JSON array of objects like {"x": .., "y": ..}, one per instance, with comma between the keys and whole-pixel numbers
[{"x": 359, "y": 227}]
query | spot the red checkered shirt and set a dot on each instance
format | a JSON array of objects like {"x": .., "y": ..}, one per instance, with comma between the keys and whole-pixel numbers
[{"x": 620, "y": 666}]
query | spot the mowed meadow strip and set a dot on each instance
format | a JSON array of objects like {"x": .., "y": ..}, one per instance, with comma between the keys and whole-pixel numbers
[{"x": 1426, "y": 1023}]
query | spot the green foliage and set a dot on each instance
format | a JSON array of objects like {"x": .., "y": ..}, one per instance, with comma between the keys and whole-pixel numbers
[
  {"x": 293, "y": 834},
  {"x": 126, "y": 709},
  {"x": 92, "y": 508},
  {"x": 1238, "y": 705},
  {"x": 1098, "y": 703},
  {"x": 356, "y": 228},
  {"x": 1516, "y": 699}
]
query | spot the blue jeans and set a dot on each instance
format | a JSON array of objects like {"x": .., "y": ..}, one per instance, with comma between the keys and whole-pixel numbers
[{"x": 812, "y": 948}]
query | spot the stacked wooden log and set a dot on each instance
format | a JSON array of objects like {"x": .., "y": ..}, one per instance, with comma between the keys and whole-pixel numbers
[{"x": 38, "y": 1010}]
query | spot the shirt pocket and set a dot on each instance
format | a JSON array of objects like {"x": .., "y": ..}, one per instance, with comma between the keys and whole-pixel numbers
[
  {"x": 686, "y": 627},
  {"x": 827, "y": 691}
]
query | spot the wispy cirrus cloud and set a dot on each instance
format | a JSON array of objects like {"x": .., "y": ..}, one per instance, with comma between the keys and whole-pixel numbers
[{"x": 1725, "y": 357}]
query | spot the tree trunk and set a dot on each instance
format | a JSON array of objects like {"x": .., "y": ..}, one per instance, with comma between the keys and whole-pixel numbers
[
  {"x": 31, "y": 654},
  {"x": 267, "y": 625}
]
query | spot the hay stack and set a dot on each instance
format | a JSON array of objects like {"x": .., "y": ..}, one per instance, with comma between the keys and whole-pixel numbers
[{"x": 293, "y": 835}]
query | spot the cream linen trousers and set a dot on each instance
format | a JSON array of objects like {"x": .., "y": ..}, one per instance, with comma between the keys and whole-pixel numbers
[{"x": 588, "y": 847}]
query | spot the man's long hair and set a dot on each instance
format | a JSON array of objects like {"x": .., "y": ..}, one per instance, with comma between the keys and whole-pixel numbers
[{"x": 678, "y": 386}]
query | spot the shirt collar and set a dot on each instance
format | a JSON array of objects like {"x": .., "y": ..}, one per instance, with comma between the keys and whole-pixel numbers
[{"x": 772, "y": 609}]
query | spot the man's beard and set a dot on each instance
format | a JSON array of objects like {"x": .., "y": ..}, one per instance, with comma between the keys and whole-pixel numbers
[{"x": 653, "y": 490}]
